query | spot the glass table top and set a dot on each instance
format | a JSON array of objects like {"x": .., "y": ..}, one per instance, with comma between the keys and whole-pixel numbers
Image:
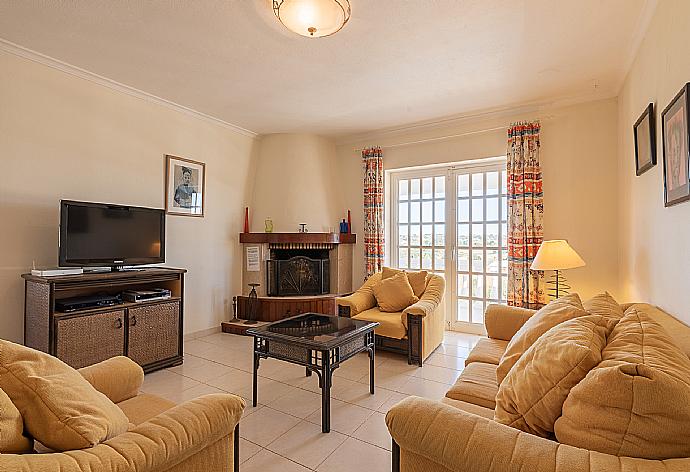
[{"x": 313, "y": 327}]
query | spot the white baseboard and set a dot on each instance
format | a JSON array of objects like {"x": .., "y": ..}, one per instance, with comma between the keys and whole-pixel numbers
[{"x": 201, "y": 333}]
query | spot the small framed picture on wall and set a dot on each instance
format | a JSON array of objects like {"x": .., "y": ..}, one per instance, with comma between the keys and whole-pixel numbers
[
  {"x": 674, "y": 127},
  {"x": 185, "y": 182},
  {"x": 645, "y": 141}
]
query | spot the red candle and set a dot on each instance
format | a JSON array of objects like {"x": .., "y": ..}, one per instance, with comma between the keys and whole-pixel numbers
[
  {"x": 349, "y": 223},
  {"x": 246, "y": 219}
]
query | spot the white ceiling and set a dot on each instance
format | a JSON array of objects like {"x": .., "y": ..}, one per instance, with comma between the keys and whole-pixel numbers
[{"x": 396, "y": 61}]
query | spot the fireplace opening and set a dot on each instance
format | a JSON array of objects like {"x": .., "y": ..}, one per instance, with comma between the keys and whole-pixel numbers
[{"x": 298, "y": 272}]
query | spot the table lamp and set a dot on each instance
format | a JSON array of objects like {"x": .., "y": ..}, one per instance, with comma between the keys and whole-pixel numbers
[{"x": 557, "y": 255}]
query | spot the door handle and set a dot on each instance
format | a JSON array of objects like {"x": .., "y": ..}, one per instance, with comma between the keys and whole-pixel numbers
[
  {"x": 118, "y": 323},
  {"x": 133, "y": 320}
]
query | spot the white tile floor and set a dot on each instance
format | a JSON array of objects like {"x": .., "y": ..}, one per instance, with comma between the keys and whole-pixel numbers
[{"x": 283, "y": 433}]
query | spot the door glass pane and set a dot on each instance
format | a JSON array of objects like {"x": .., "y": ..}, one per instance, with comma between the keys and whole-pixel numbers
[
  {"x": 414, "y": 258},
  {"x": 492, "y": 209},
  {"x": 440, "y": 187},
  {"x": 504, "y": 208},
  {"x": 477, "y": 312},
  {"x": 463, "y": 235},
  {"x": 427, "y": 187},
  {"x": 402, "y": 258},
  {"x": 464, "y": 259},
  {"x": 477, "y": 286},
  {"x": 463, "y": 211},
  {"x": 403, "y": 236},
  {"x": 463, "y": 285},
  {"x": 504, "y": 235},
  {"x": 463, "y": 310},
  {"x": 427, "y": 236},
  {"x": 492, "y": 235},
  {"x": 504, "y": 261},
  {"x": 427, "y": 255},
  {"x": 492, "y": 183},
  {"x": 477, "y": 235},
  {"x": 414, "y": 212},
  {"x": 415, "y": 239},
  {"x": 427, "y": 212},
  {"x": 504, "y": 182},
  {"x": 402, "y": 212},
  {"x": 403, "y": 190},
  {"x": 439, "y": 259},
  {"x": 440, "y": 210},
  {"x": 492, "y": 262},
  {"x": 440, "y": 235},
  {"x": 477, "y": 209},
  {"x": 477, "y": 185},
  {"x": 464, "y": 185},
  {"x": 477, "y": 261},
  {"x": 414, "y": 189},
  {"x": 492, "y": 287},
  {"x": 504, "y": 288}
]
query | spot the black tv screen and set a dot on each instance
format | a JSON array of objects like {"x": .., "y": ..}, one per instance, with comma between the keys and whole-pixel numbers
[{"x": 99, "y": 234}]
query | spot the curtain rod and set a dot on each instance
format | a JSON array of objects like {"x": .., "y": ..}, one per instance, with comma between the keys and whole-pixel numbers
[{"x": 459, "y": 135}]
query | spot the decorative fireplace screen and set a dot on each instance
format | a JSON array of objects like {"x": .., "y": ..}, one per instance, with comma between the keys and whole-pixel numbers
[{"x": 301, "y": 274}]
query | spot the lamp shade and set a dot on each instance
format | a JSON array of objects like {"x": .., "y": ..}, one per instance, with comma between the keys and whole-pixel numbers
[
  {"x": 313, "y": 18},
  {"x": 556, "y": 255}
]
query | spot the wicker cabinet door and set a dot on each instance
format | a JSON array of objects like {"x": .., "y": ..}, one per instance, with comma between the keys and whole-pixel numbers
[
  {"x": 154, "y": 332},
  {"x": 88, "y": 339}
]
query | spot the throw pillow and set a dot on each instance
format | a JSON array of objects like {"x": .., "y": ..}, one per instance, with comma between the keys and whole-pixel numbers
[
  {"x": 12, "y": 439},
  {"x": 560, "y": 310},
  {"x": 603, "y": 304},
  {"x": 394, "y": 293},
  {"x": 531, "y": 396},
  {"x": 59, "y": 407},
  {"x": 417, "y": 279},
  {"x": 636, "y": 402}
]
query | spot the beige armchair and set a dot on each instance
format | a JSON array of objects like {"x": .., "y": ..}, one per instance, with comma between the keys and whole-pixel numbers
[
  {"x": 416, "y": 331},
  {"x": 197, "y": 436}
]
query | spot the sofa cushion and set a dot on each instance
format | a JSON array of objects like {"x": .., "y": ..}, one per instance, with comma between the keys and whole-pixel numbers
[
  {"x": 390, "y": 323},
  {"x": 636, "y": 402},
  {"x": 675, "y": 328},
  {"x": 394, "y": 294},
  {"x": 417, "y": 279},
  {"x": 469, "y": 408},
  {"x": 487, "y": 350},
  {"x": 603, "y": 304},
  {"x": 144, "y": 406},
  {"x": 59, "y": 407},
  {"x": 560, "y": 310},
  {"x": 531, "y": 396},
  {"x": 12, "y": 438},
  {"x": 476, "y": 385}
]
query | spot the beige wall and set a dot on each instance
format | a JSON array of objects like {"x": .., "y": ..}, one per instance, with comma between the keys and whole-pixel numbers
[
  {"x": 655, "y": 241},
  {"x": 295, "y": 183},
  {"x": 579, "y": 167},
  {"x": 66, "y": 137}
]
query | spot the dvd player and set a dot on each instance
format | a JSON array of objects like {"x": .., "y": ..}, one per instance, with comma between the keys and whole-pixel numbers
[
  {"x": 146, "y": 295},
  {"x": 67, "y": 305}
]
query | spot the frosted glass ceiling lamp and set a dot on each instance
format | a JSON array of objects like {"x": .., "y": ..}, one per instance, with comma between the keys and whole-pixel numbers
[
  {"x": 557, "y": 255},
  {"x": 313, "y": 18}
]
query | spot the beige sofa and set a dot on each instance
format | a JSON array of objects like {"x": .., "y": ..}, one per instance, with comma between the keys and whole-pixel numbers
[
  {"x": 197, "y": 436},
  {"x": 459, "y": 433},
  {"x": 416, "y": 331}
]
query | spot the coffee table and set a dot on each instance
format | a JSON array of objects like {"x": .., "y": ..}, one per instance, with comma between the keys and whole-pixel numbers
[{"x": 318, "y": 342}]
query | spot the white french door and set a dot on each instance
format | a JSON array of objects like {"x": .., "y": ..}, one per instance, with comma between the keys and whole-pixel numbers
[{"x": 452, "y": 221}]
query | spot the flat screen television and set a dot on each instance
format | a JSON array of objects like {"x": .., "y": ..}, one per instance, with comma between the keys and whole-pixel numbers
[{"x": 100, "y": 234}]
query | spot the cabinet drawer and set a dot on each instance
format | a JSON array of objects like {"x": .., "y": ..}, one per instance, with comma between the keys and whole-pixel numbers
[
  {"x": 86, "y": 340},
  {"x": 154, "y": 332}
]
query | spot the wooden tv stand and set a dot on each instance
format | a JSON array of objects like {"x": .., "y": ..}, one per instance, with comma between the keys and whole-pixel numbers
[{"x": 149, "y": 332}]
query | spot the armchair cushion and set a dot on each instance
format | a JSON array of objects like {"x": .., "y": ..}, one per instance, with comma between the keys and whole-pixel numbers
[
  {"x": 394, "y": 294},
  {"x": 59, "y": 407},
  {"x": 417, "y": 279},
  {"x": 118, "y": 378},
  {"x": 531, "y": 396},
  {"x": 558, "y": 311},
  {"x": 636, "y": 402},
  {"x": 12, "y": 439},
  {"x": 390, "y": 325}
]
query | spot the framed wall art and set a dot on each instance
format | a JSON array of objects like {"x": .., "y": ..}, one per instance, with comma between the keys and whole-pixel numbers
[
  {"x": 185, "y": 182},
  {"x": 644, "y": 131},
  {"x": 676, "y": 147}
]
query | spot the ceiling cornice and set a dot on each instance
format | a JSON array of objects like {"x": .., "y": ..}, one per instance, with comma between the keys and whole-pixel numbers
[
  {"x": 17, "y": 50},
  {"x": 643, "y": 22}
]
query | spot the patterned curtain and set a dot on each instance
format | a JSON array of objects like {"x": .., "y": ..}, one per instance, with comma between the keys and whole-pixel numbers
[
  {"x": 373, "y": 209},
  {"x": 525, "y": 214}
]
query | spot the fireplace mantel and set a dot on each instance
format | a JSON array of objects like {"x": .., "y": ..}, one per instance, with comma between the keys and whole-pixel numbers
[{"x": 327, "y": 238}]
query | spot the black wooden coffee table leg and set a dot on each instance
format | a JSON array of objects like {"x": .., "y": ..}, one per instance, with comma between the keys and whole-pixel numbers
[
  {"x": 254, "y": 379},
  {"x": 371, "y": 370},
  {"x": 326, "y": 392}
]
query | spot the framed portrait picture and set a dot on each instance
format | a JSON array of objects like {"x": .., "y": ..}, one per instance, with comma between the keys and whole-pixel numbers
[
  {"x": 674, "y": 127},
  {"x": 185, "y": 182},
  {"x": 645, "y": 141}
]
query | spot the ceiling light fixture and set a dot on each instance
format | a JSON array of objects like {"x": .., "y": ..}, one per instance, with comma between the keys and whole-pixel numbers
[{"x": 313, "y": 18}]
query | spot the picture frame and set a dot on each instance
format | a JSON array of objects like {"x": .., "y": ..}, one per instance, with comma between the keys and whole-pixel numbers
[
  {"x": 644, "y": 132},
  {"x": 676, "y": 148},
  {"x": 185, "y": 186}
]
